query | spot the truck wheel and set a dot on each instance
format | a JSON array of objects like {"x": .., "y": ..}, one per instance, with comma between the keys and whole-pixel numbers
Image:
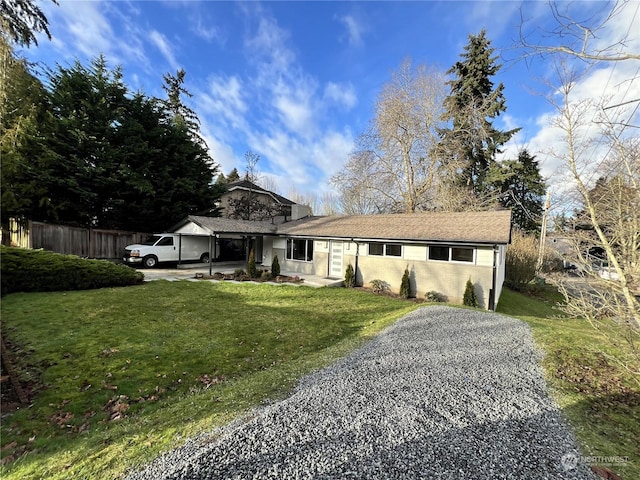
[
  {"x": 150, "y": 261},
  {"x": 204, "y": 258}
]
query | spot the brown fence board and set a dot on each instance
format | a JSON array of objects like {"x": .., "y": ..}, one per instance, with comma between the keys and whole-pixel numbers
[{"x": 84, "y": 242}]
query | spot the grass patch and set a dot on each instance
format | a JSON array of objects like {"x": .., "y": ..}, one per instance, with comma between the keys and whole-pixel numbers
[
  {"x": 585, "y": 371},
  {"x": 126, "y": 373}
]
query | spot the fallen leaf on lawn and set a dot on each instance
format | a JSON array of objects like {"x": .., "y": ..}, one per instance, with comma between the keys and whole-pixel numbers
[
  {"x": 107, "y": 352},
  {"x": 10, "y": 445},
  {"x": 116, "y": 407},
  {"x": 61, "y": 418}
]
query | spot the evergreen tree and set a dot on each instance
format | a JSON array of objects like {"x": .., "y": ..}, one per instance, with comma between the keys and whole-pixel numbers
[
  {"x": 349, "y": 277},
  {"x": 87, "y": 153},
  {"x": 26, "y": 159},
  {"x": 88, "y": 104},
  {"x": 252, "y": 271},
  {"x": 20, "y": 20},
  {"x": 405, "y": 284},
  {"x": 471, "y": 143},
  {"x": 522, "y": 189},
  {"x": 233, "y": 176},
  {"x": 275, "y": 266},
  {"x": 470, "y": 298},
  {"x": 221, "y": 180},
  {"x": 179, "y": 113}
]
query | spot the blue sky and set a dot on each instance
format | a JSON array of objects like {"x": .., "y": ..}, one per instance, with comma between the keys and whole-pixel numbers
[{"x": 296, "y": 82}]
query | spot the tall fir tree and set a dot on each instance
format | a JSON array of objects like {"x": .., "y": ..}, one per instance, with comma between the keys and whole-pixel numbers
[
  {"x": 522, "y": 189},
  {"x": 26, "y": 159},
  {"x": 88, "y": 103},
  {"x": 116, "y": 160},
  {"x": 233, "y": 176},
  {"x": 471, "y": 143}
]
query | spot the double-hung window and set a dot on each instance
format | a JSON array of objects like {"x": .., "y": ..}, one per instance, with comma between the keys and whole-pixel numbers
[{"x": 299, "y": 249}]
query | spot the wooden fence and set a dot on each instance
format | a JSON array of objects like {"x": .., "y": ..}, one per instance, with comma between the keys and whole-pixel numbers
[{"x": 84, "y": 242}]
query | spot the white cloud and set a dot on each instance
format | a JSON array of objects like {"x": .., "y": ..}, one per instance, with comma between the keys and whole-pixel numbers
[
  {"x": 161, "y": 43},
  {"x": 355, "y": 29},
  {"x": 269, "y": 43},
  {"x": 496, "y": 16},
  {"x": 210, "y": 33},
  {"x": 224, "y": 103},
  {"x": 295, "y": 113},
  {"x": 606, "y": 84},
  {"x": 332, "y": 152},
  {"x": 86, "y": 28},
  {"x": 341, "y": 94}
]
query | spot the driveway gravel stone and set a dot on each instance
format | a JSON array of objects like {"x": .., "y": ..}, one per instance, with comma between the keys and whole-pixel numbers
[{"x": 443, "y": 393}]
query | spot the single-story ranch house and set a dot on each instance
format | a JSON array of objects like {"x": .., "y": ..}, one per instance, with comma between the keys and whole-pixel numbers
[{"x": 442, "y": 250}]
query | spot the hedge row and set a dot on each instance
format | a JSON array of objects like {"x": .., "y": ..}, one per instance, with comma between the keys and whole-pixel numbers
[{"x": 40, "y": 271}]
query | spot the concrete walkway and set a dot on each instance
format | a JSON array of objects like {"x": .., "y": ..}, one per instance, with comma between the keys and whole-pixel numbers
[{"x": 189, "y": 271}]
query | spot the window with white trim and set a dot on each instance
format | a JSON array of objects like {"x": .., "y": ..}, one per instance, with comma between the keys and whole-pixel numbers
[
  {"x": 445, "y": 253},
  {"x": 385, "y": 249},
  {"x": 299, "y": 249}
]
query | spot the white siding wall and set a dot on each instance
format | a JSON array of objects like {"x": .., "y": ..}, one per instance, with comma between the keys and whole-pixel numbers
[
  {"x": 193, "y": 229},
  {"x": 484, "y": 256},
  {"x": 321, "y": 246},
  {"x": 415, "y": 252}
]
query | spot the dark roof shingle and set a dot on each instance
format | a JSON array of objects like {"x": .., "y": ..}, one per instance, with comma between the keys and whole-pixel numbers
[
  {"x": 461, "y": 227},
  {"x": 484, "y": 227},
  {"x": 247, "y": 185}
]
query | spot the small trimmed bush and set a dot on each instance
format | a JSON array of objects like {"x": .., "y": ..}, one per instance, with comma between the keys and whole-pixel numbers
[
  {"x": 252, "y": 271},
  {"x": 470, "y": 298},
  {"x": 25, "y": 270},
  {"x": 275, "y": 266},
  {"x": 266, "y": 276},
  {"x": 350, "y": 277},
  {"x": 379, "y": 286},
  {"x": 239, "y": 273},
  {"x": 405, "y": 284},
  {"x": 436, "y": 297}
]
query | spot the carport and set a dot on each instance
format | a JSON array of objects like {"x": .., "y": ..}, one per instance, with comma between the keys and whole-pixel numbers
[{"x": 220, "y": 229}]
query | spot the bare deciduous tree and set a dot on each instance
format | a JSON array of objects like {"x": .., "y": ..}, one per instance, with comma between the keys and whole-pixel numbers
[
  {"x": 577, "y": 36},
  {"x": 606, "y": 239},
  {"x": 394, "y": 168}
]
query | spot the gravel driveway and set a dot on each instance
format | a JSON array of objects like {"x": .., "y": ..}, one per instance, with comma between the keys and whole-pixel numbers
[{"x": 443, "y": 393}]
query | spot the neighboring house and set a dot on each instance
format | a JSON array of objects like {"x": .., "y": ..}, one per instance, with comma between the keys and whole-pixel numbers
[
  {"x": 244, "y": 200},
  {"x": 441, "y": 250},
  {"x": 560, "y": 248}
]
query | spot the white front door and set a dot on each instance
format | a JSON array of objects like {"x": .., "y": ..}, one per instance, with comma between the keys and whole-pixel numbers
[{"x": 335, "y": 260}]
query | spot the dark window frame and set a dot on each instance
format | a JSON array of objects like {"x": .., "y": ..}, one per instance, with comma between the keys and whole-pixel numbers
[
  {"x": 294, "y": 251},
  {"x": 382, "y": 249},
  {"x": 434, "y": 254}
]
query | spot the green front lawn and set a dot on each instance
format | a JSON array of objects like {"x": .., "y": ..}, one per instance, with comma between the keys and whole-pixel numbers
[
  {"x": 588, "y": 378},
  {"x": 126, "y": 373}
]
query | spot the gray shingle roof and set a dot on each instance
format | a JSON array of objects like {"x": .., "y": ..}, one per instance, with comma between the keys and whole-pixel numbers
[
  {"x": 471, "y": 227},
  {"x": 228, "y": 225},
  {"x": 483, "y": 227},
  {"x": 247, "y": 185}
]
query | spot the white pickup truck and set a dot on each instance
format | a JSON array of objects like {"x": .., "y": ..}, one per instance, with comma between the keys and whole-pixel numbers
[{"x": 167, "y": 247}]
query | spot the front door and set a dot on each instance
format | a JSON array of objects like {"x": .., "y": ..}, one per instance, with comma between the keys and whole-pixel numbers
[{"x": 335, "y": 260}]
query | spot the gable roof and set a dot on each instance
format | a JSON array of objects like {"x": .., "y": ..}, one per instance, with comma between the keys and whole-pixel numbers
[
  {"x": 457, "y": 227},
  {"x": 472, "y": 227},
  {"x": 227, "y": 225},
  {"x": 247, "y": 185}
]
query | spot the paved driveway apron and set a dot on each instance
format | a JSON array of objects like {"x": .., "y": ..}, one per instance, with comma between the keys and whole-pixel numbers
[{"x": 443, "y": 393}]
